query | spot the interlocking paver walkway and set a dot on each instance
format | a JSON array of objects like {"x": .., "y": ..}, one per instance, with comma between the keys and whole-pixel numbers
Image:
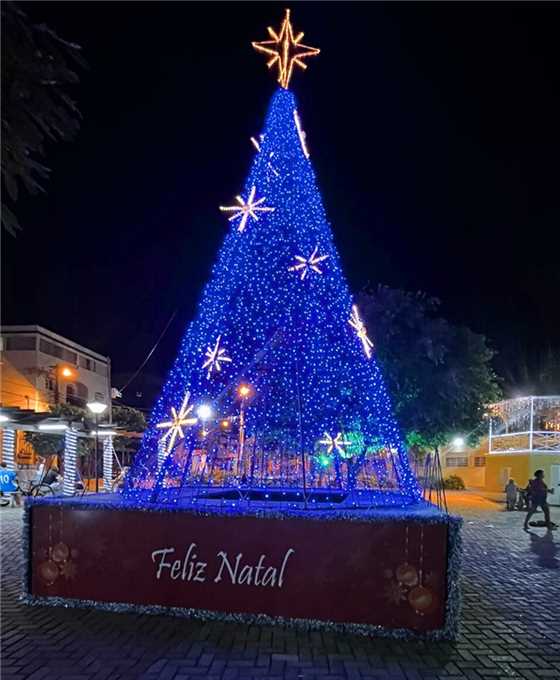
[{"x": 510, "y": 627}]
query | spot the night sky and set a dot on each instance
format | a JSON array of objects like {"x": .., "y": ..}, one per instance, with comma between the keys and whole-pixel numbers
[{"x": 433, "y": 128}]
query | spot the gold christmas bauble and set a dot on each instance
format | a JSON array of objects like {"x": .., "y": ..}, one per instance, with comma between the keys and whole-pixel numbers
[
  {"x": 420, "y": 599},
  {"x": 407, "y": 575},
  {"x": 48, "y": 571},
  {"x": 60, "y": 552}
]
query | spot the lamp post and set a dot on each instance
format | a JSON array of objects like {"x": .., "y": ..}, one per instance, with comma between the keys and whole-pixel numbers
[
  {"x": 244, "y": 392},
  {"x": 97, "y": 408}
]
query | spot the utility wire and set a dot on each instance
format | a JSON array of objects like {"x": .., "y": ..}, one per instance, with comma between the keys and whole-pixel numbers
[{"x": 122, "y": 389}]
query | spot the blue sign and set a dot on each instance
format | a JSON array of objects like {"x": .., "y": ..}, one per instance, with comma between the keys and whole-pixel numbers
[{"x": 8, "y": 481}]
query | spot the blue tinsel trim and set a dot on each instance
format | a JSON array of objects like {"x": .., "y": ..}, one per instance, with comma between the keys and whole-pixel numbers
[{"x": 422, "y": 512}]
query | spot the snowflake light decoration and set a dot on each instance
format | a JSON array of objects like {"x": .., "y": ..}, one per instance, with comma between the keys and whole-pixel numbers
[
  {"x": 257, "y": 142},
  {"x": 214, "y": 357},
  {"x": 246, "y": 208},
  {"x": 269, "y": 167},
  {"x": 301, "y": 134},
  {"x": 358, "y": 325},
  {"x": 335, "y": 443},
  {"x": 175, "y": 425},
  {"x": 307, "y": 264}
]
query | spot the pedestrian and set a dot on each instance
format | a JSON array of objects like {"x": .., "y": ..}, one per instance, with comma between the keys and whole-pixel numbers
[
  {"x": 9, "y": 485},
  {"x": 527, "y": 495},
  {"x": 511, "y": 494},
  {"x": 538, "y": 492},
  {"x": 53, "y": 479},
  {"x": 118, "y": 482}
]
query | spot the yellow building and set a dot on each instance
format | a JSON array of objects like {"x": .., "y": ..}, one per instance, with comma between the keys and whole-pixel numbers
[
  {"x": 523, "y": 436},
  {"x": 17, "y": 391}
]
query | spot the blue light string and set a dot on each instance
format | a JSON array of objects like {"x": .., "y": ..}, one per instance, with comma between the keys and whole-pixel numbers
[{"x": 266, "y": 317}]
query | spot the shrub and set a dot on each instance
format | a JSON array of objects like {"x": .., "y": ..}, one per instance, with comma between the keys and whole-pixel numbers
[{"x": 454, "y": 483}]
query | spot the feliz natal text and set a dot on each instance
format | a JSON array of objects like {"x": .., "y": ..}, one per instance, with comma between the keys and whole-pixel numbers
[{"x": 232, "y": 569}]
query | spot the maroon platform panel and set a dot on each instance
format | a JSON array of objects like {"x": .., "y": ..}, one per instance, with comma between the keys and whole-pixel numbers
[{"x": 389, "y": 573}]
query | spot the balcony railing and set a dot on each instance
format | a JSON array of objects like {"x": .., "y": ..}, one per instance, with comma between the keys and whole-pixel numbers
[
  {"x": 526, "y": 424},
  {"x": 521, "y": 442}
]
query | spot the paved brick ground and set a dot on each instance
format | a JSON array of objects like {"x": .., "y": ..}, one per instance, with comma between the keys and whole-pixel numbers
[{"x": 510, "y": 627}]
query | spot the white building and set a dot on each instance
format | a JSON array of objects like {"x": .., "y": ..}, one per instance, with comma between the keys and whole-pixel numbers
[{"x": 59, "y": 370}]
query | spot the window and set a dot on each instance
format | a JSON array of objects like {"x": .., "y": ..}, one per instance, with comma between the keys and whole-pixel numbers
[
  {"x": 57, "y": 351},
  {"x": 99, "y": 396},
  {"x": 100, "y": 368},
  {"x": 75, "y": 395},
  {"x": 457, "y": 461},
  {"x": 20, "y": 342},
  {"x": 480, "y": 461},
  {"x": 86, "y": 363}
]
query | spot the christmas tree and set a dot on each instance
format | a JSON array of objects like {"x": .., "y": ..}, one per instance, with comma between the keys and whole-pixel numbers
[{"x": 276, "y": 391}]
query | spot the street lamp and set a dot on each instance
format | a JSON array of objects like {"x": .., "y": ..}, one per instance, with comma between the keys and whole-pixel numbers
[
  {"x": 204, "y": 412},
  {"x": 97, "y": 408},
  {"x": 64, "y": 372}
]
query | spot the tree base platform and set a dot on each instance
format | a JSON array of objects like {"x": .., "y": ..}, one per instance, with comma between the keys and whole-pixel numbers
[{"x": 382, "y": 571}]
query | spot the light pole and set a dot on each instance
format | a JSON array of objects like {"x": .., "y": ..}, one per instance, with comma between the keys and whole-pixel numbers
[
  {"x": 97, "y": 408},
  {"x": 244, "y": 392}
]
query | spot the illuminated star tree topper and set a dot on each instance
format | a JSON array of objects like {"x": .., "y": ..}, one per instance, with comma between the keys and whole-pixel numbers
[
  {"x": 246, "y": 208},
  {"x": 174, "y": 426},
  {"x": 285, "y": 50}
]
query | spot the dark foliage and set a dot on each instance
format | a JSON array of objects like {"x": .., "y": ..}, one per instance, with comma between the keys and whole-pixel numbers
[
  {"x": 439, "y": 376},
  {"x": 454, "y": 483},
  {"x": 35, "y": 105}
]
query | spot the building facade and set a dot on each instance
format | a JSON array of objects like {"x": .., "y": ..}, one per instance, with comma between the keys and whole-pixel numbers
[
  {"x": 523, "y": 436},
  {"x": 41, "y": 368}
]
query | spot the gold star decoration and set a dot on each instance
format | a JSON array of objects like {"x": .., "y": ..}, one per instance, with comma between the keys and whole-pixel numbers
[
  {"x": 359, "y": 326},
  {"x": 246, "y": 209},
  {"x": 335, "y": 443},
  {"x": 306, "y": 264},
  {"x": 285, "y": 50},
  {"x": 175, "y": 425}
]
